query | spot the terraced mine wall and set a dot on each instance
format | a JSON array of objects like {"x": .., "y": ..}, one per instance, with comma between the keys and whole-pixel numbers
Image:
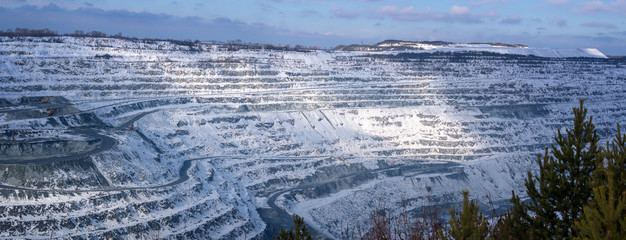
[
  {"x": 212, "y": 142},
  {"x": 36, "y": 149}
]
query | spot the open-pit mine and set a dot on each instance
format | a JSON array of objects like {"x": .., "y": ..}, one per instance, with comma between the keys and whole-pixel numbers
[{"x": 134, "y": 139}]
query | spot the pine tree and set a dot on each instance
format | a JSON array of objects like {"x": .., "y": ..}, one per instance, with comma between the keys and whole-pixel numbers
[
  {"x": 605, "y": 216},
  {"x": 613, "y": 161},
  {"x": 469, "y": 225},
  {"x": 515, "y": 224},
  {"x": 557, "y": 195},
  {"x": 300, "y": 232}
]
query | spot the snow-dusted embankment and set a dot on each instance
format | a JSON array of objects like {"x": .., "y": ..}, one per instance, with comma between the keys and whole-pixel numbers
[{"x": 329, "y": 135}]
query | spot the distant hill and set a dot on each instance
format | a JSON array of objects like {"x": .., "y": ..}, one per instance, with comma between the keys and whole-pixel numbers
[
  {"x": 398, "y": 45},
  {"x": 441, "y": 46}
]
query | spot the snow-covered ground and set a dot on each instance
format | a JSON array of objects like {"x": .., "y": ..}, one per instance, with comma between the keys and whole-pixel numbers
[{"x": 326, "y": 135}]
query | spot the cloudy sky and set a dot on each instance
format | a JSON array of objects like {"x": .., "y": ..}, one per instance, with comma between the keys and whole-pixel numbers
[{"x": 326, "y": 23}]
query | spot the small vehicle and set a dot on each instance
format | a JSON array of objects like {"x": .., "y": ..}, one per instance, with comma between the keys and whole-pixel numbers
[{"x": 51, "y": 111}]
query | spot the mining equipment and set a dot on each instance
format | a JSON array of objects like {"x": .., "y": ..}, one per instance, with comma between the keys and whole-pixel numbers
[{"x": 51, "y": 111}]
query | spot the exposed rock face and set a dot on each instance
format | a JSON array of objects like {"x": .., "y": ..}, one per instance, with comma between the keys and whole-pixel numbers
[
  {"x": 48, "y": 147},
  {"x": 194, "y": 142}
]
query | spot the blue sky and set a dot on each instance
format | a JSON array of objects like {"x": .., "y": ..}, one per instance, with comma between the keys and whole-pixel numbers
[{"x": 327, "y": 23}]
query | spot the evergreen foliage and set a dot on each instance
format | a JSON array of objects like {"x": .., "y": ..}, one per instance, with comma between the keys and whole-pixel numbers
[
  {"x": 515, "y": 224},
  {"x": 469, "y": 224},
  {"x": 613, "y": 161},
  {"x": 579, "y": 193},
  {"x": 299, "y": 233},
  {"x": 557, "y": 195},
  {"x": 605, "y": 216}
]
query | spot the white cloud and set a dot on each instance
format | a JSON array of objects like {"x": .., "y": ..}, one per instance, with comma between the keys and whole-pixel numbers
[
  {"x": 458, "y": 10},
  {"x": 491, "y": 14},
  {"x": 617, "y": 7},
  {"x": 600, "y": 25},
  {"x": 512, "y": 19},
  {"x": 489, "y": 2},
  {"x": 410, "y": 13},
  {"x": 343, "y": 13},
  {"x": 557, "y": 2}
]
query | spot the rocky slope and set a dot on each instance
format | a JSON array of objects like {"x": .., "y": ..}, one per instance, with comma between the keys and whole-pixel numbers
[{"x": 225, "y": 143}]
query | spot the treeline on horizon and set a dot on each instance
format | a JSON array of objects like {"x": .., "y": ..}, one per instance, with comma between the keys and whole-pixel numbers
[{"x": 233, "y": 45}]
